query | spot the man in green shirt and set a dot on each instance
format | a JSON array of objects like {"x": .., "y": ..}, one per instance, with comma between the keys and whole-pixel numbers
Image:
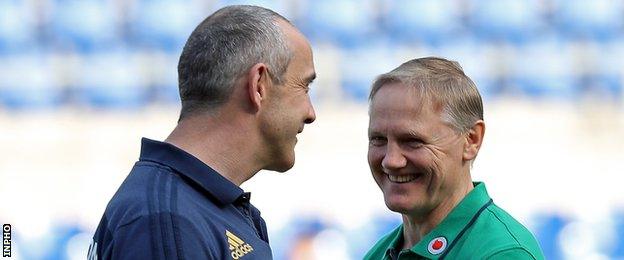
[{"x": 426, "y": 128}]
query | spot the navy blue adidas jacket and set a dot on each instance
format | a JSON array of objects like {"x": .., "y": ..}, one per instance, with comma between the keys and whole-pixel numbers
[{"x": 173, "y": 206}]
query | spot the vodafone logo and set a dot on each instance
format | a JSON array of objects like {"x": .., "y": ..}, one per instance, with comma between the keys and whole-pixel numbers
[{"x": 437, "y": 245}]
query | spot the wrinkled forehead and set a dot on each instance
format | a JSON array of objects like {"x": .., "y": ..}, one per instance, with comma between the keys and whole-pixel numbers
[{"x": 398, "y": 97}]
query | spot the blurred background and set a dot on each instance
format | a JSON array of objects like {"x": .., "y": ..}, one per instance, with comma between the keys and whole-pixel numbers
[{"x": 81, "y": 81}]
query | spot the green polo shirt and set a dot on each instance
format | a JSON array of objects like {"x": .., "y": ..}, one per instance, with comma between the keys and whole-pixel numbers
[{"x": 475, "y": 229}]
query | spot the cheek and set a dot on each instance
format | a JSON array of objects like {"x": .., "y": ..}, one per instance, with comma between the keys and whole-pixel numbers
[
  {"x": 375, "y": 156},
  {"x": 421, "y": 156}
]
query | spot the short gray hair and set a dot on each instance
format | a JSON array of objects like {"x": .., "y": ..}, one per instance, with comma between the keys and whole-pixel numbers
[
  {"x": 222, "y": 48},
  {"x": 442, "y": 81}
]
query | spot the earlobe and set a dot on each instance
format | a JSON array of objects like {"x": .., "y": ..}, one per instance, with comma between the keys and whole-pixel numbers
[
  {"x": 257, "y": 84},
  {"x": 474, "y": 139}
]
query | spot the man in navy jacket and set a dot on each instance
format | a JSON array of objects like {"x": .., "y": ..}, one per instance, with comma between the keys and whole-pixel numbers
[{"x": 244, "y": 76}]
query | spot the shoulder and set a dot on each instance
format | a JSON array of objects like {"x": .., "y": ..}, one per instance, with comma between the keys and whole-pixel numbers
[
  {"x": 151, "y": 194},
  {"x": 150, "y": 188},
  {"x": 513, "y": 253},
  {"x": 505, "y": 235}
]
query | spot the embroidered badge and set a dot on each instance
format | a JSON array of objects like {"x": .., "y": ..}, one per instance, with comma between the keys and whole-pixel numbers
[{"x": 437, "y": 245}]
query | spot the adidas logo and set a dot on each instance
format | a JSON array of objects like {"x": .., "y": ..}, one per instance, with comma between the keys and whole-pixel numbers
[{"x": 238, "y": 247}]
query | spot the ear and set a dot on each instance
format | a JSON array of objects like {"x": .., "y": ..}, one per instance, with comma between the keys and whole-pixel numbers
[
  {"x": 474, "y": 138},
  {"x": 257, "y": 84}
]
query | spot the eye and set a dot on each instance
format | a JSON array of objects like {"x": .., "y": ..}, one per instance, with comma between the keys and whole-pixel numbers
[
  {"x": 377, "y": 141},
  {"x": 414, "y": 142}
]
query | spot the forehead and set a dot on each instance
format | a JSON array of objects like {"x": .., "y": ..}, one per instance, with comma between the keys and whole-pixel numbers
[
  {"x": 296, "y": 40},
  {"x": 396, "y": 104},
  {"x": 398, "y": 98},
  {"x": 301, "y": 65}
]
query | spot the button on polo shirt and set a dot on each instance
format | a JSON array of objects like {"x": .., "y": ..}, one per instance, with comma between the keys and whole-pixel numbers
[
  {"x": 475, "y": 229},
  {"x": 173, "y": 206}
]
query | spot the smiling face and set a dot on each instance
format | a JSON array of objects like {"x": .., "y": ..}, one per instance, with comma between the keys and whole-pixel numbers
[
  {"x": 289, "y": 107},
  {"x": 416, "y": 158}
]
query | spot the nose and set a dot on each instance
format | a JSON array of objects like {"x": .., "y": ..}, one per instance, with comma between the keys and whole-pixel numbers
[
  {"x": 311, "y": 116},
  {"x": 393, "y": 159}
]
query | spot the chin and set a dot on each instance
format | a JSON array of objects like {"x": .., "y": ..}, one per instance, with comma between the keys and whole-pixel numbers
[
  {"x": 400, "y": 205},
  {"x": 283, "y": 165},
  {"x": 398, "y": 208}
]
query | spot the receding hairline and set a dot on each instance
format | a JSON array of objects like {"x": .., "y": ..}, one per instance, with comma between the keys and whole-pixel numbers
[{"x": 443, "y": 82}]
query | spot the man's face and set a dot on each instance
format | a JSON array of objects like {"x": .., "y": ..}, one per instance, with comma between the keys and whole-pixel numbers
[
  {"x": 415, "y": 157},
  {"x": 290, "y": 108}
]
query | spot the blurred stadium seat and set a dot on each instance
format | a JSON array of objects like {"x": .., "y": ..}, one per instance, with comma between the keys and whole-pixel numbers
[
  {"x": 363, "y": 238},
  {"x": 547, "y": 231},
  {"x": 480, "y": 61},
  {"x": 360, "y": 66},
  {"x": 17, "y": 26},
  {"x": 297, "y": 231},
  {"x": 596, "y": 19},
  {"x": 164, "y": 24},
  {"x": 27, "y": 82},
  {"x": 544, "y": 69},
  {"x": 513, "y": 21},
  {"x": 428, "y": 21},
  {"x": 344, "y": 22},
  {"x": 85, "y": 25},
  {"x": 112, "y": 79},
  {"x": 618, "y": 250}
]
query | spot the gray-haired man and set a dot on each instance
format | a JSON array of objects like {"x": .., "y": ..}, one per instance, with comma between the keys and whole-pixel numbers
[
  {"x": 426, "y": 128},
  {"x": 243, "y": 77}
]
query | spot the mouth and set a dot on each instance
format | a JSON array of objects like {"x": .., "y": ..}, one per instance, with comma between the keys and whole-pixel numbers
[{"x": 404, "y": 178}]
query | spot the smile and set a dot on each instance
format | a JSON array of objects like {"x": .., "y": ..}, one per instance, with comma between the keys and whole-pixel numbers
[{"x": 403, "y": 178}]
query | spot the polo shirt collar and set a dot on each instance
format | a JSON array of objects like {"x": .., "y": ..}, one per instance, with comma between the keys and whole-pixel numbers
[
  {"x": 224, "y": 191},
  {"x": 456, "y": 221}
]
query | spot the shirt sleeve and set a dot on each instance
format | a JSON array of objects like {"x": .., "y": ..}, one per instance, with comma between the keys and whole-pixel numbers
[
  {"x": 157, "y": 236},
  {"x": 512, "y": 253}
]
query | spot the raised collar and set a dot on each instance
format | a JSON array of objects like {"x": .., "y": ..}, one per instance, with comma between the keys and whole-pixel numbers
[{"x": 207, "y": 179}]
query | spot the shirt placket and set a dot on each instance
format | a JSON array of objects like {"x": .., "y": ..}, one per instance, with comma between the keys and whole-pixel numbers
[{"x": 244, "y": 207}]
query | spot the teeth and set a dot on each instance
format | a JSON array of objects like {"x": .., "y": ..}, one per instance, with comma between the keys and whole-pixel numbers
[{"x": 402, "y": 178}]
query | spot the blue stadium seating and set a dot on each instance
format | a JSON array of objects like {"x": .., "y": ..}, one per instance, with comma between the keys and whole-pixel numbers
[
  {"x": 618, "y": 251},
  {"x": 27, "y": 82},
  {"x": 363, "y": 238},
  {"x": 17, "y": 27},
  {"x": 428, "y": 21},
  {"x": 164, "y": 24},
  {"x": 360, "y": 66},
  {"x": 597, "y": 19},
  {"x": 85, "y": 25},
  {"x": 474, "y": 56},
  {"x": 112, "y": 79},
  {"x": 514, "y": 21},
  {"x": 547, "y": 233},
  {"x": 343, "y": 22},
  {"x": 544, "y": 69},
  {"x": 297, "y": 228}
]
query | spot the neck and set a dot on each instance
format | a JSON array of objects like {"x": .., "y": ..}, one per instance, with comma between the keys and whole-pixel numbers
[
  {"x": 224, "y": 144},
  {"x": 416, "y": 226}
]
